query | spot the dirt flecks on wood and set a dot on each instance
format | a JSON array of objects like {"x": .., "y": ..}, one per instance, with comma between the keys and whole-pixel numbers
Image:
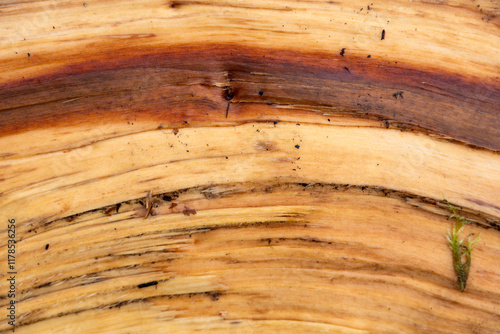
[
  {"x": 265, "y": 146},
  {"x": 398, "y": 94},
  {"x": 170, "y": 197},
  {"x": 214, "y": 295},
  {"x": 188, "y": 211}
]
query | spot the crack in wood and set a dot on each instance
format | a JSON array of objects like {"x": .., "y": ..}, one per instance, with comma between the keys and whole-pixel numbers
[{"x": 226, "y": 190}]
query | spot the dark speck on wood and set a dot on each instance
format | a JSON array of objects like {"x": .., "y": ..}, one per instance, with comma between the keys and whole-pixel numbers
[
  {"x": 188, "y": 212},
  {"x": 145, "y": 285}
]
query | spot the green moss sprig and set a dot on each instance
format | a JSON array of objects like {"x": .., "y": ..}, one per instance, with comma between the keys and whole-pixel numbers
[{"x": 461, "y": 252}]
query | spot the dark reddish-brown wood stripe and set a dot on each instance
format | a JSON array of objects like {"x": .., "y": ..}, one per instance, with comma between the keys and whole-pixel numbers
[{"x": 196, "y": 83}]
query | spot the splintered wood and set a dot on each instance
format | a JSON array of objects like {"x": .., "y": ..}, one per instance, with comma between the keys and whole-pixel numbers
[{"x": 248, "y": 167}]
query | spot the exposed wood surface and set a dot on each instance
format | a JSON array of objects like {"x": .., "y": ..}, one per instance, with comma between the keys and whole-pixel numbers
[{"x": 297, "y": 163}]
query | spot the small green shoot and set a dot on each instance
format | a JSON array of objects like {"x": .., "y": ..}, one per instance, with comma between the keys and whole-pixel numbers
[{"x": 461, "y": 252}]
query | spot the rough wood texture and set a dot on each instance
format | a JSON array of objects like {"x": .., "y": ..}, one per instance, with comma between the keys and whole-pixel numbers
[{"x": 297, "y": 163}]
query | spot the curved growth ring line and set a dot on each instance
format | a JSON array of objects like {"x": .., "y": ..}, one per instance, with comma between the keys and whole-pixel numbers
[{"x": 181, "y": 84}]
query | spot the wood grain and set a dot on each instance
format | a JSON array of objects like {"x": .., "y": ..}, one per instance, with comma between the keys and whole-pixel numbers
[{"x": 297, "y": 162}]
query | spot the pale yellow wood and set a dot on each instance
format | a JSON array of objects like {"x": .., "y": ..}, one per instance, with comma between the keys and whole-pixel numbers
[
  {"x": 288, "y": 216},
  {"x": 128, "y": 166},
  {"x": 361, "y": 246},
  {"x": 431, "y": 34}
]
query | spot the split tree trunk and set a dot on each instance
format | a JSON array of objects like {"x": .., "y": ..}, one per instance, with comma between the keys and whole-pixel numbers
[{"x": 297, "y": 153}]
